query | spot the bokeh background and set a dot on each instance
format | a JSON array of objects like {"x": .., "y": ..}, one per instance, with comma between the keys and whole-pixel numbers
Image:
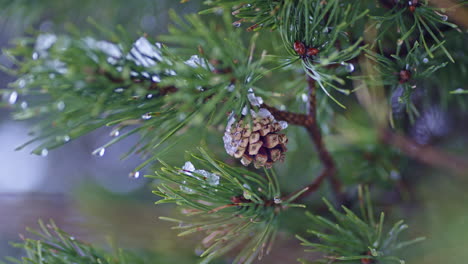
[{"x": 93, "y": 197}]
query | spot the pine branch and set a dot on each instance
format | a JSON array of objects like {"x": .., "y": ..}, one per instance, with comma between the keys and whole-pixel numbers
[
  {"x": 55, "y": 246},
  {"x": 425, "y": 154},
  {"x": 356, "y": 239},
  {"x": 235, "y": 208},
  {"x": 309, "y": 122}
]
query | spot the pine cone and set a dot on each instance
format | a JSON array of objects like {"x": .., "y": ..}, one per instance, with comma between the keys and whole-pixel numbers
[{"x": 260, "y": 144}]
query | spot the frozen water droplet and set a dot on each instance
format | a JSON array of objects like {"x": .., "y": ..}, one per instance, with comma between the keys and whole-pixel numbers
[
  {"x": 254, "y": 100},
  {"x": 99, "y": 152},
  {"x": 60, "y": 106},
  {"x": 237, "y": 23},
  {"x": 156, "y": 78},
  {"x": 146, "y": 116},
  {"x": 21, "y": 83},
  {"x": 231, "y": 87},
  {"x": 425, "y": 60},
  {"x": 144, "y": 53},
  {"x": 186, "y": 189},
  {"x": 458, "y": 91},
  {"x": 44, "y": 152},
  {"x": 212, "y": 179},
  {"x": 277, "y": 200},
  {"x": 114, "y": 133},
  {"x": 45, "y": 41},
  {"x": 195, "y": 61},
  {"x": 264, "y": 113},
  {"x": 182, "y": 116},
  {"x": 134, "y": 175},
  {"x": 188, "y": 166},
  {"x": 283, "y": 124},
  {"x": 13, "y": 97},
  {"x": 24, "y": 105}
]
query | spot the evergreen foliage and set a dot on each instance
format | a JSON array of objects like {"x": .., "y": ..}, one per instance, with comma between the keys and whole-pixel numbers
[{"x": 207, "y": 69}]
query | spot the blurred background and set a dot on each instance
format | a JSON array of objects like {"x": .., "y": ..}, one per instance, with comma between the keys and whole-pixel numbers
[{"x": 93, "y": 198}]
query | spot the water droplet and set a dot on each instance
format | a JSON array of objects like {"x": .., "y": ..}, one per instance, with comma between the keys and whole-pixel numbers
[
  {"x": 21, "y": 83},
  {"x": 72, "y": 238},
  {"x": 237, "y": 23},
  {"x": 44, "y": 152},
  {"x": 114, "y": 133},
  {"x": 149, "y": 96},
  {"x": 231, "y": 87},
  {"x": 283, "y": 124},
  {"x": 350, "y": 67},
  {"x": 188, "y": 166},
  {"x": 146, "y": 116},
  {"x": 52, "y": 76},
  {"x": 13, "y": 97},
  {"x": 425, "y": 60},
  {"x": 66, "y": 138},
  {"x": 60, "y": 106},
  {"x": 99, "y": 152},
  {"x": 134, "y": 175},
  {"x": 399, "y": 42},
  {"x": 24, "y": 105},
  {"x": 35, "y": 56},
  {"x": 155, "y": 78},
  {"x": 277, "y": 200},
  {"x": 119, "y": 90},
  {"x": 444, "y": 17}
]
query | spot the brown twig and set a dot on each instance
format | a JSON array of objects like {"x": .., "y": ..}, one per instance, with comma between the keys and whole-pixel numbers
[
  {"x": 309, "y": 122},
  {"x": 425, "y": 154}
]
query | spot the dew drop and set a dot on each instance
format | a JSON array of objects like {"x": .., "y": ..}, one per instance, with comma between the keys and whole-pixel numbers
[
  {"x": 13, "y": 97},
  {"x": 237, "y": 23},
  {"x": 425, "y": 60},
  {"x": 114, "y": 133},
  {"x": 24, "y": 105},
  {"x": 399, "y": 42},
  {"x": 99, "y": 152},
  {"x": 119, "y": 90},
  {"x": 156, "y": 78},
  {"x": 444, "y": 17},
  {"x": 149, "y": 96},
  {"x": 66, "y": 138},
  {"x": 134, "y": 175},
  {"x": 35, "y": 56},
  {"x": 21, "y": 83},
  {"x": 44, "y": 152},
  {"x": 146, "y": 116},
  {"x": 277, "y": 200},
  {"x": 72, "y": 238},
  {"x": 60, "y": 106},
  {"x": 350, "y": 67}
]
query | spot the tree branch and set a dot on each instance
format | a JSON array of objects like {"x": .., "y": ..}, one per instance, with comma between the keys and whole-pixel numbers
[
  {"x": 425, "y": 154},
  {"x": 309, "y": 122}
]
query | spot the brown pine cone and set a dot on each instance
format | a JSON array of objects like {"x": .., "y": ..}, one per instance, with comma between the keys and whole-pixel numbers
[{"x": 257, "y": 142}]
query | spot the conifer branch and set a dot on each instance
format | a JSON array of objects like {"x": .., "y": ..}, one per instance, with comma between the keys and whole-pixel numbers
[
  {"x": 425, "y": 154},
  {"x": 309, "y": 122}
]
